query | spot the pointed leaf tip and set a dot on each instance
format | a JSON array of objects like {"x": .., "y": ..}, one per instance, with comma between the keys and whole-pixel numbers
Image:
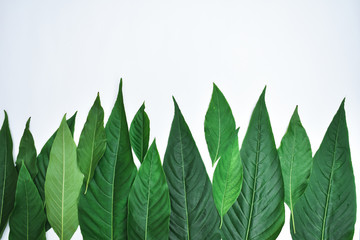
[{"x": 28, "y": 123}]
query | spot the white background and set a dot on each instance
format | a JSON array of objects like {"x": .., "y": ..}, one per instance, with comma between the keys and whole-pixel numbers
[{"x": 56, "y": 55}]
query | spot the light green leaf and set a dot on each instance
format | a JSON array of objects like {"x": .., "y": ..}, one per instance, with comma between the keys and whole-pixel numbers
[
  {"x": 8, "y": 175},
  {"x": 296, "y": 161},
  {"x": 193, "y": 212},
  {"x": 219, "y": 125},
  {"x": 27, "y": 220},
  {"x": 327, "y": 209},
  {"x": 27, "y": 152},
  {"x": 228, "y": 177},
  {"x": 259, "y": 211},
  {"x": 149, "y": 202},
  {"x": 103, "y": 210},
  {"x": 140, "y": 132},
  {"x": 62, "y": 184},
  {"x": 92, "y": 142}
]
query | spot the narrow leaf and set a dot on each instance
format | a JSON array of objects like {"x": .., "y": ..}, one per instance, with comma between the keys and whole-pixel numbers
[
  {"x": 193, "y": 212},
  {"x": 92, "y": 142},
  {"x": 27, "y": 220},
  {"x": 219, "y": 125},
  {"x": 103, "y": 210},
  {"x": 228, "y": 177},
  {"x": 27, "y": 152},
  {"x": 139, "y": 133},
  {"x": 149, "y": 202},
  {"x": 62, "y": 184},
  {"x": 327, "y": 209},
  {"x": 259, "y": 211},
  {"x": 296, "y": 161},
  {"x": 8, "y": 175}
]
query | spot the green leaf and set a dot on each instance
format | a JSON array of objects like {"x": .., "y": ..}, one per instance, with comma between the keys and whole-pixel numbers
[
  {"x": 27, "y": 220},
  {"x": 92, "y": 142},
  {"x": 327, "y": 209},
  {"x": 296, "y": 161},
  {"x": 193, "y": 212},
  {"x": 259, "y": 211},
  {"x": 8, "y": 175},
  {"x": 62, "y": 184},
  {"x": 219, "y": 125},
  {"x": 139, "y": 133},
  {"x": 149, "y": 202},
  {"x": 228, "y": 177},
  {"x": 27, "y": 152},
  {"x": 103, "y": 210}
]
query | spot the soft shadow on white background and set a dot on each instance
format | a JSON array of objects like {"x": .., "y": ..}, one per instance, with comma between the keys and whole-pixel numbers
[{"x": 55, "y": 57}]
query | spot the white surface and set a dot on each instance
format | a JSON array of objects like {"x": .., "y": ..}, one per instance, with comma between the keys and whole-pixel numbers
[{"x": 55, "y": 57}]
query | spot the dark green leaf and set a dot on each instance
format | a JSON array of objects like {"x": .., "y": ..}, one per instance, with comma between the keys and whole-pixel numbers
[
  {"x": 27, "y": 220},
  {"x": 149, "y": 202},
  {"x": 92, "y": 142},
  {"x": 219, "y": 125},
  {"x": 259, "y": 211},
  {"x": 8, "y": 175},
  {"x": 327, "y": 209},
  {"x": 193, "y": 212},
  {"x": 296, "y": 161},
  {"x": 62, "y": 184},
  {"x": 103, "y": 210},
  {"x": 27, "y": 152},
  {"x": 139, "y": 133}
]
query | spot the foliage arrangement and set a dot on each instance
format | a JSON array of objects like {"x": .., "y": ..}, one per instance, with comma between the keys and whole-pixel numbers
[{"x": 96, "y": 184}]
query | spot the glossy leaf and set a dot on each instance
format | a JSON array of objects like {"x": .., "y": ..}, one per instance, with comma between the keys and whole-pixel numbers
[
  {"x": 228, "y": 177},
  {"x": 27, "y": 152},
  {"x": 149, "y": 202},
  {"x": 259, "y": 211},
  {"x": 193, "y": 212},
  {"x": 219, "y": 125},
  {"x": 103, "y": 210},
  {"x": 62, "y": 184},
  {"x": 327, "y": 209},
  {"x": 27, "y": 220},
  {"x": 8, "y": 175},
  {"x": 139, "y": 133},
  {"x": 296, "y": 161},
  {"x": 92, "y": 142}
]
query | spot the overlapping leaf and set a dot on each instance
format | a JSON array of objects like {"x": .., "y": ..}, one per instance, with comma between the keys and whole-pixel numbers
[
  {"x": 27, "y": 152},
  {"x": 149, "y": 202},
  {"x": 62, "y": 184},
  {"x": 296, "y": 161},
  {"x": 27, "y": 220},
  {"x": 327, "y": 209},
  {"x": 92, "y": 142},
  {"x": 103, "y": 210},
  {"x": 193, "y": 212},
  {"x": 8, "y": 175},
  {"x": 140, "y": 132},
  {"x": 258, "y": 213}
]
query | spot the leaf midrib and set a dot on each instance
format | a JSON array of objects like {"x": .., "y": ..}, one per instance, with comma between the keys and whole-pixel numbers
[
  {"x": 27, "y": 212},
  {"x": 63, "y": 185},
  {"x": 290, "y": 187},
  {"x": 92, "y": 154},
  {"x": 330, "y": 181},
  {"x": 148, "y": 202},
  {"x": 219, "y": 132}
]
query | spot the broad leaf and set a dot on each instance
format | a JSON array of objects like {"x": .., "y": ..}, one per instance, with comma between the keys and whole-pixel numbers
[
  {"x": 228, "y": 177},
  {"x": 103, "y": 210},
  {"x": 139, "y": 133},
  {"x": 8, "y": 175},
  {"x": 327, "y": 209},
  {"x": 27, "y": 152},
  {"x": 27, "y": 220},
  {"x": 296, "y": 161},
  {"x": 149, "y": 202},
  {"x": 219, "y": 125},
  {"x": 193, "y": 212},
  {"x": 62, "y": 184},
  {"x": 259, "y": 211},
  {"x": 92, "y": 142}
]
